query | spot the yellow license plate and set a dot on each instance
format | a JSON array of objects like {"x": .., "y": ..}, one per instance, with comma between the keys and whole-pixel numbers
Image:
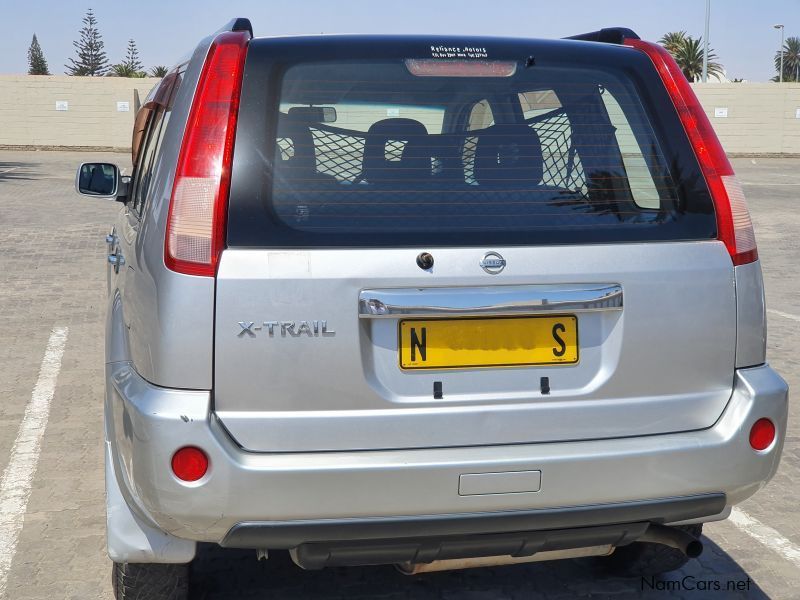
[{"x": 488, "y": 342}]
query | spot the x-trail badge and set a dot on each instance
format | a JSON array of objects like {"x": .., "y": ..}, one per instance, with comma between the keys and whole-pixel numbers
[
  {"x": 492, "y": 263},
  {"x": 314, "y": 328}
]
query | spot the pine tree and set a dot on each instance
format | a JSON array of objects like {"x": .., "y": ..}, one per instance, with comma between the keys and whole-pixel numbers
[
  {"x": 37, "y": 65},
  {"x": 132, "y": 57},
  {"x": 131, "y": 66},
  {"x": 91, "y": 57}
]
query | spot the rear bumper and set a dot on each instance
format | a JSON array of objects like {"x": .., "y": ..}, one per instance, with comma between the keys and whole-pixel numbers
[{"x": 251, "y": 499}]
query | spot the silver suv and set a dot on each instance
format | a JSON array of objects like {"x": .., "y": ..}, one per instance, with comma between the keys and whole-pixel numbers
[{"x": 437, "y": 302}]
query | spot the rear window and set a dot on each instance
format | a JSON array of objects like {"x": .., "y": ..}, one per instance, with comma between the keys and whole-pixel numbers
[{"x": 410, "y": 151}]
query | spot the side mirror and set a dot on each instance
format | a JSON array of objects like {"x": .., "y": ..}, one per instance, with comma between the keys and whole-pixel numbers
[{"x": 101, "y": 180}]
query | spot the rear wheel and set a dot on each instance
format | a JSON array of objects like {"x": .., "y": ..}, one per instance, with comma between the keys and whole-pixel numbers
[
  {"x": 138, "y": 581},
  {"x": 646, "y": 558}
]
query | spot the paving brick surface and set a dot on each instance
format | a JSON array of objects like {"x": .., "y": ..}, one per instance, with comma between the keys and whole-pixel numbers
[{"x": 52, "y": 273}]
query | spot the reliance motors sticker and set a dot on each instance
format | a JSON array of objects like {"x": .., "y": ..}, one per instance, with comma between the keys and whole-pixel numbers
[{"x": 458, "y": 52}]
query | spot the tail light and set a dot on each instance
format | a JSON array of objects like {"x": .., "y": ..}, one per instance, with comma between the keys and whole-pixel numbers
[
  {"x": 734, "y": 227},
  {"x": 195, "y": 233}
]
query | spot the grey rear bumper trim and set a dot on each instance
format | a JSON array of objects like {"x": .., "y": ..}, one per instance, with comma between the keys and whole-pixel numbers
[{"x": 275, "y": 535}]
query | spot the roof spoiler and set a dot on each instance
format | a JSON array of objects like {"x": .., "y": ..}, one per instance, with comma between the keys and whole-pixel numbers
[
  {"x": 238, "y": 24},
  {"x": 610, "y": 35}
]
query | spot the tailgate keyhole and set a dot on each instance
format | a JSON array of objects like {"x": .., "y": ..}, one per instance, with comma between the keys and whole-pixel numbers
[{"x": 425, "y": 261}]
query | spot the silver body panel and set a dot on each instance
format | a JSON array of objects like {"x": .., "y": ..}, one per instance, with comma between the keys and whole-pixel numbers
[
  {"x": 751, "y": 316},
  {"x": 662, "y": 363},
  {"x": 168, "y": 316},
  {"x": 147, "y": 424}
]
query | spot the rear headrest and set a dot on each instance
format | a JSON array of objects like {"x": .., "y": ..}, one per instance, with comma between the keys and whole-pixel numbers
[
  {"x": 510, "y": 154},
  {"x": 415, "y": 158},
  {"x": 303, "y": 152}
]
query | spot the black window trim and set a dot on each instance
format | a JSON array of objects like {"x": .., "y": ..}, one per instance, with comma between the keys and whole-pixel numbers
[{"x": 268, "y": 60}]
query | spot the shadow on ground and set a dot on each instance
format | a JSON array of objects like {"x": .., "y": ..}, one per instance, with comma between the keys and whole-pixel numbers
[
  {"x": 10, "y": 171},
  {"x": 227, "y": 574}
]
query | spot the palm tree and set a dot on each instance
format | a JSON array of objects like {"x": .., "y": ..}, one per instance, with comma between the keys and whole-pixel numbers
[
  {"x": 688, "y": 53},
  {"x": 159, "y": 71},
  {"x": 125, "y": 70},
  {"x": 791, "y": 60},
  {"x": 673, "y": 40}
]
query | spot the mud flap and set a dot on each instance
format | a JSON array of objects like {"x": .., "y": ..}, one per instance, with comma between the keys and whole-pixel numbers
[{"x": 129, "y": 538}]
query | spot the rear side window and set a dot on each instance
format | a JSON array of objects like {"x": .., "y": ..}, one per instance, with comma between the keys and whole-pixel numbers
[
  {"x": 385, "y": 153},
  {"x": 144, "y": 168},
  {"x": 152, "y": 137}
]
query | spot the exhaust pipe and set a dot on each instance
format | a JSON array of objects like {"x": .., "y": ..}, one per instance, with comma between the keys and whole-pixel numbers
[
  {"x": 674, "y": 538},
  {"x": 409, "y": 568}
]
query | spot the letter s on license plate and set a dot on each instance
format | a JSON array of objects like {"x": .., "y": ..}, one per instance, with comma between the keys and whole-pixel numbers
[{"x": 488, "y": 342}]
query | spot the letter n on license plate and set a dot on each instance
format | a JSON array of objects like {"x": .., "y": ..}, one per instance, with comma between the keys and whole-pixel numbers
[{"x": 488, "y": 342}]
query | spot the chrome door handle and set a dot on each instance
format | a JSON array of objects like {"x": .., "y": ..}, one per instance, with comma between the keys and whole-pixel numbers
[
  {"x": 116, "y": 260},
  {"x": 488, "y": 301}
]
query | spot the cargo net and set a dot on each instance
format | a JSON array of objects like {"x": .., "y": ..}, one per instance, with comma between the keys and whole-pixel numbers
[
  {"x": 340, "y": 152},
  {"x": 562, "y": 165}
]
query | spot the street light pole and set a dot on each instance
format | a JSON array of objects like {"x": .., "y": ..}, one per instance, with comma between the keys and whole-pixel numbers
[
  {"x": 780, "y": 74},
  {"x": 705, "y": 39}
]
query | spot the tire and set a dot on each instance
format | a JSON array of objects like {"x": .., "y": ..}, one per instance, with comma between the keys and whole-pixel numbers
[
  {"x": 645, "y": 558},
  {"x": 135, "y": 581}
]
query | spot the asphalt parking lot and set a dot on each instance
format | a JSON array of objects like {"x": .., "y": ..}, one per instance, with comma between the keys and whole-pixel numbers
[{"x": 52, "y": 275}]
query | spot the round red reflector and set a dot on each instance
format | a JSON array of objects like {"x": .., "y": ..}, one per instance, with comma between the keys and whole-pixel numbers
[
  {"x": 762, "y": 434},
  {"x": 189, "y": 464}
]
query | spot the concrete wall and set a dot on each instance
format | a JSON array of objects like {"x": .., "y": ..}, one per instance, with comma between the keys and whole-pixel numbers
[
  {"x": 761, "y": 118},
  {"x": 28, "y": 115}
]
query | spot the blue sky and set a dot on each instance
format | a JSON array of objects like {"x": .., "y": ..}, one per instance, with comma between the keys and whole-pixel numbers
[{"x": 164, "y": 30}]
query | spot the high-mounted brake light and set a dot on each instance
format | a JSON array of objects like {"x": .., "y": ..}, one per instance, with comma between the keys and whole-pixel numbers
[
  {"x": 734, "y": 227},
  {"x": 195, "y": 233},
  {"x": 433, "y": 67}
]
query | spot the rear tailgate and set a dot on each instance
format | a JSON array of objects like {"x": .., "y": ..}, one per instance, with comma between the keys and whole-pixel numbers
[{"x": 577, "y": 290}]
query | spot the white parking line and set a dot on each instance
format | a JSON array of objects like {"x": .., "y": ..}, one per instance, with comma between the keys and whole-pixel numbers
[
  {"x": 15, "y": 486},
  {"x": 766, "y": 535},
  {"x": 785, "y": 315},
  {"x": 768, "y": 184}
]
